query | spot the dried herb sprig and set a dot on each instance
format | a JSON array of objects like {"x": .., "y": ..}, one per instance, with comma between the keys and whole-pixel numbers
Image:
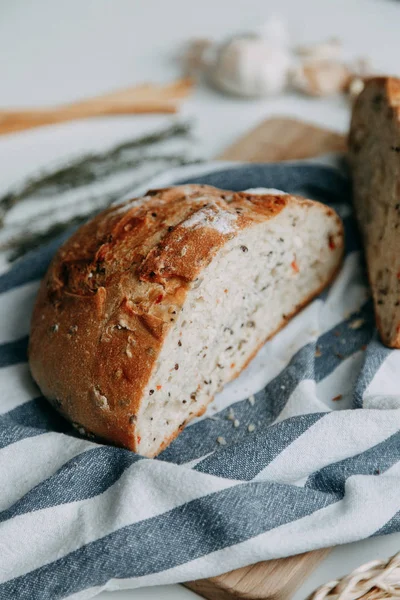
[
  {"x": 170, "y": 160},
  {"x": 26, "y": 240},
  {"x": 87, "y": 169}
]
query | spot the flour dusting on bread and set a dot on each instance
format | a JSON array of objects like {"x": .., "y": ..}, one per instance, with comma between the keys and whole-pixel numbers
[{"x": 212, "y": 216}]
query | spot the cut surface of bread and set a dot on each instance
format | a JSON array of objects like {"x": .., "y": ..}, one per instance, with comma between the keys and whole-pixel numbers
[
  {"x": 178, "y": 309},
  {"x": 374, "y": 152}
]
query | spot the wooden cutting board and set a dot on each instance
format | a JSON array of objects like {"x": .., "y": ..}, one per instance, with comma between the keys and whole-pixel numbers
[{"x": 273, "y": 140}]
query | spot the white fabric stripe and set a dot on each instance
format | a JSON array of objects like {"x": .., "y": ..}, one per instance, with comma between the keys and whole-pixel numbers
[
  {"x": 146, "y": 489},
  {"x": 384, "y": 389},
  {"x": 347, "y": 294},
  {"x": 370, "y": 502},
  {"x": 164, "y": 592},
  {"x": 303, "y": 400},
  {"x": 309, "y": 397},
  {"x": 192, "y": 463},
  {"x": 25, "y": 464},
  {"x": 17, "y": 387},
  {"x": 88, "y": 593},
  {"x": 393, "y": 471},
  {"x": 338, "y": 435},
  {"x": 341, "y": 382},
  {"x": 17, "y": 304}
]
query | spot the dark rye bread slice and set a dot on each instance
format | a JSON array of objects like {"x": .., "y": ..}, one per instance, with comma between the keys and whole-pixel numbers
[
  {"x": 374, "y": 151},
  {"x": 154, "y": 305}
]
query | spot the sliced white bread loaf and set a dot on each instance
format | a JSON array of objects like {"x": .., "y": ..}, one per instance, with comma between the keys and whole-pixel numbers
[
  {"x": 151, "y": 308},
  {"x": 374, "y": 152}
]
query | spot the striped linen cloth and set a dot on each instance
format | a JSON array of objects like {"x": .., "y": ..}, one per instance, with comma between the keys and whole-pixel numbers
[{"x": 314, "y": 462}]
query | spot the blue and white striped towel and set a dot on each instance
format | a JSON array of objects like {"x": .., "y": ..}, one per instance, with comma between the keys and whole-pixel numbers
[{"x": 77, "y": 517}]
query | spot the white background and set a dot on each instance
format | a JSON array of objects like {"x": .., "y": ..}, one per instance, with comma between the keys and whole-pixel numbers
[{"x": 55, "y": 51}]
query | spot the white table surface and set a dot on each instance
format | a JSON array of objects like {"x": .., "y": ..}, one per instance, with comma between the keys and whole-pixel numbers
[{"x": 54, "y": 51}]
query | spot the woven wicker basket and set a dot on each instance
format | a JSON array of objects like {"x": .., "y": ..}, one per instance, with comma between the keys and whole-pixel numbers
[{"x": 374, "y": 580}]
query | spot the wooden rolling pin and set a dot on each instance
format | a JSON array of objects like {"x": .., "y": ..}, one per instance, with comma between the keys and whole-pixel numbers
[{"x": 147, "y": 98}]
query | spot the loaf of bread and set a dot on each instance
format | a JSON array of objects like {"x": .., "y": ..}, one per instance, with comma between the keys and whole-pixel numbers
[
  {"x": 374, "y": 151},
  {"x": 151, "y": 307}
]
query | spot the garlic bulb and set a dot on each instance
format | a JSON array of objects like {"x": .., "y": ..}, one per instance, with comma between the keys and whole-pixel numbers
[
  {"x": 251, "y": 66},
  {"x": 321, "y": 77}
]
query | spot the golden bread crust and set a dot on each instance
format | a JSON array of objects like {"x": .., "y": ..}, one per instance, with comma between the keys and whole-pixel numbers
[{"x": 110, "y": 294}]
